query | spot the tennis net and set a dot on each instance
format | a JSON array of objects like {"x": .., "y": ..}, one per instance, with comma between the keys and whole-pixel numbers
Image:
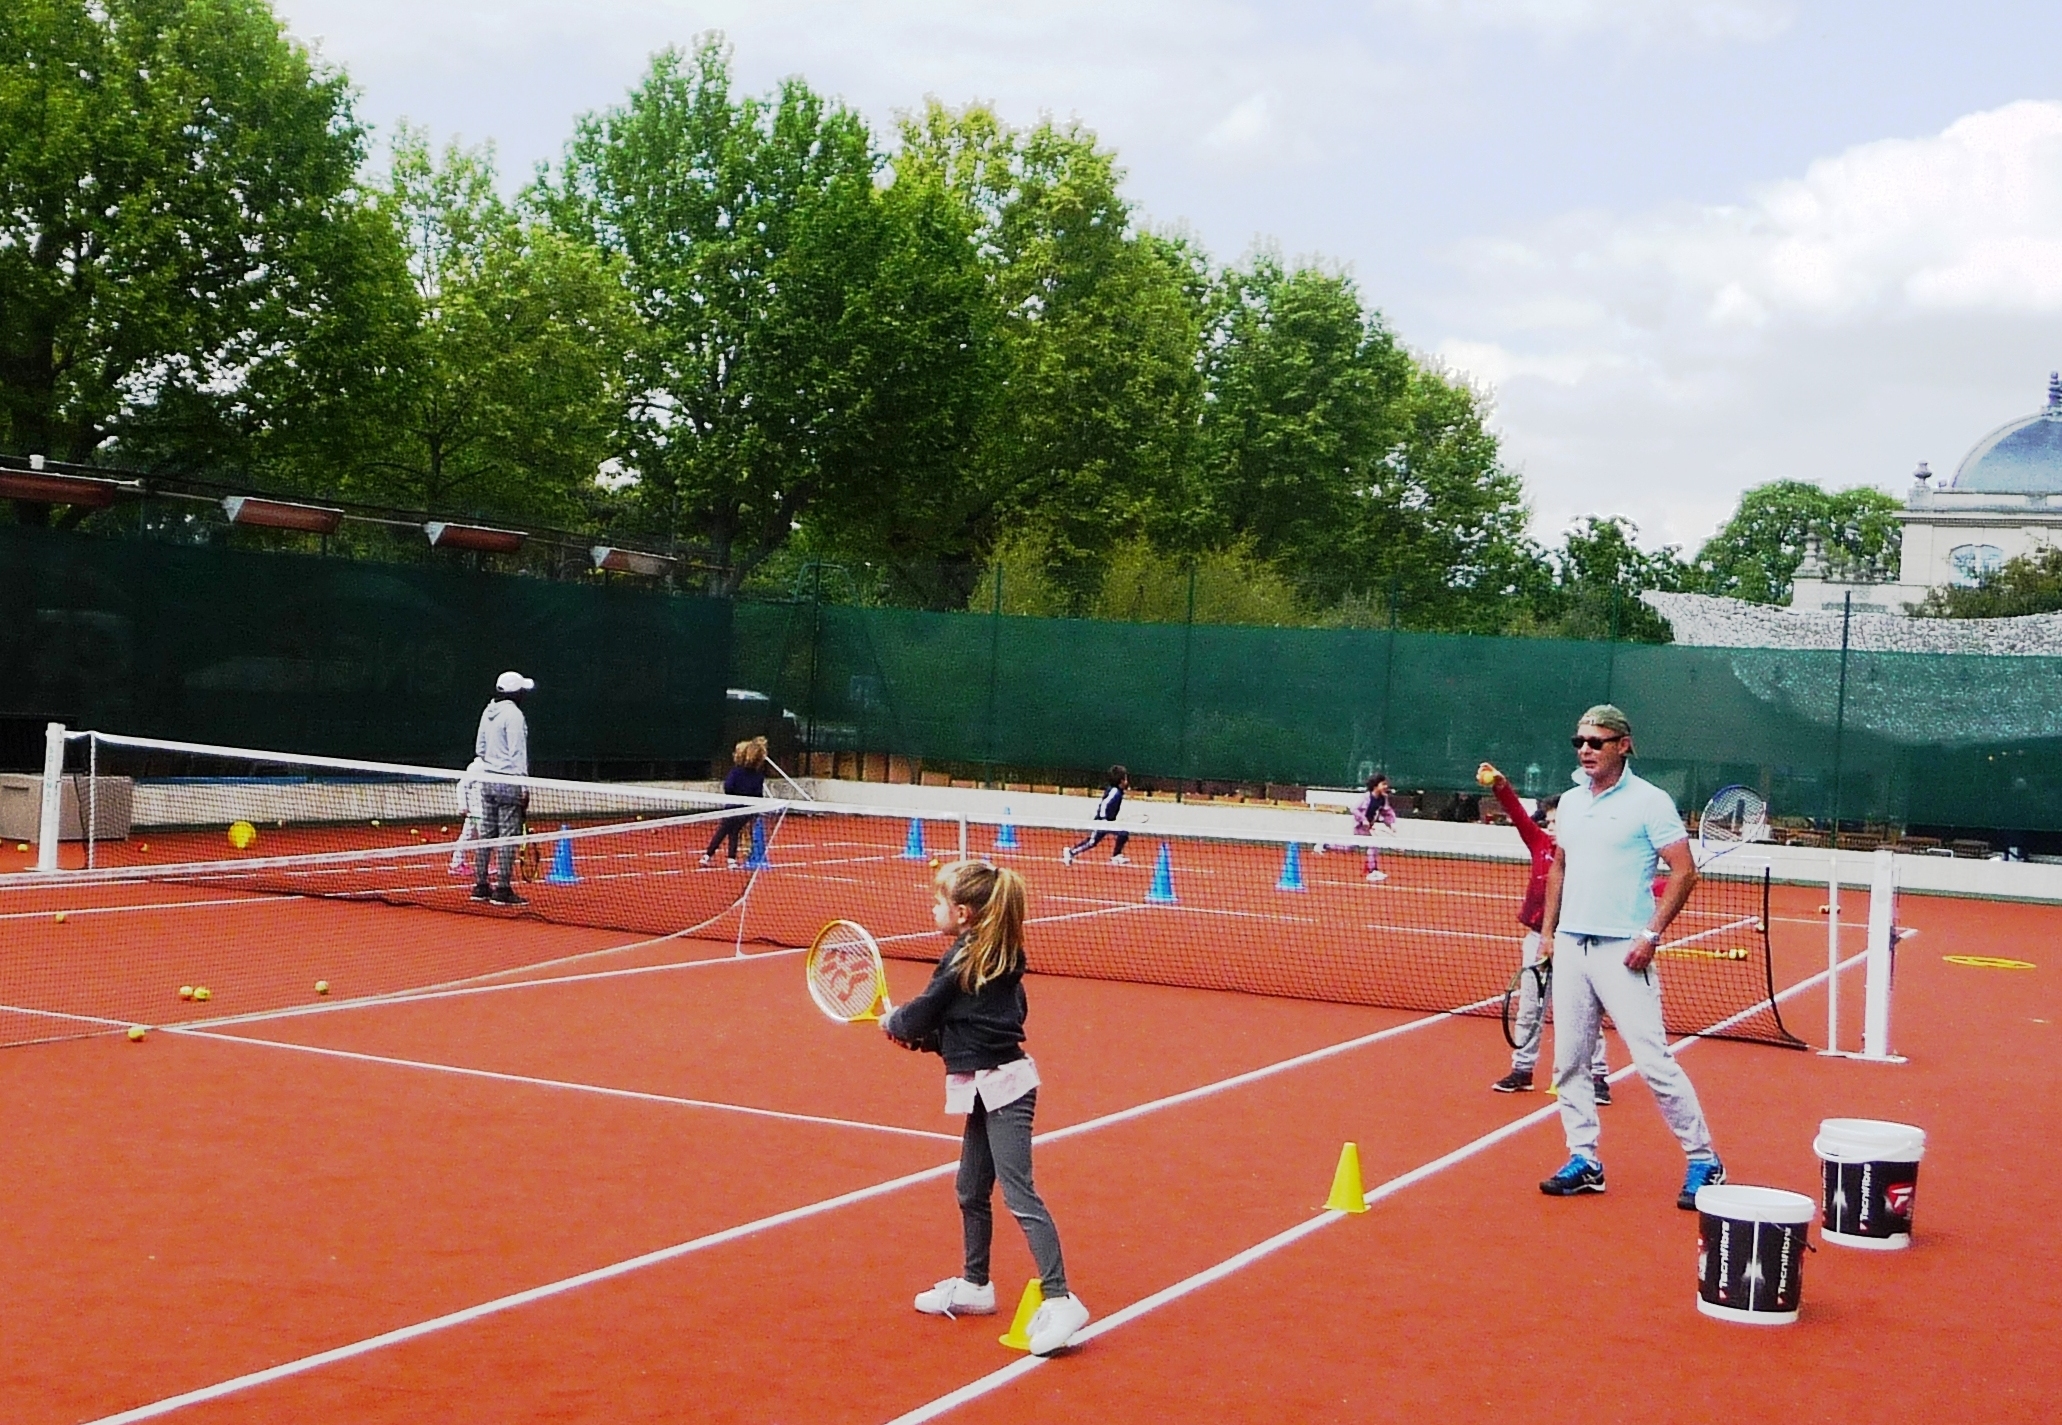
[{"x": 265, "y": 872}]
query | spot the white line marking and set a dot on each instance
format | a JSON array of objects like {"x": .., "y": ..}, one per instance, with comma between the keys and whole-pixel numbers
[
  {"x": 69, "y": 911},
  {"x": 462, "y": 1317},
  {"x": 995, "y": 1380},
  {"x": 567, "y": 1084}
]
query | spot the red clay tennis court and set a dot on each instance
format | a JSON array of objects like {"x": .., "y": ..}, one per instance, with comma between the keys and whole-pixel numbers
[{"x": 612, "y": 1175}]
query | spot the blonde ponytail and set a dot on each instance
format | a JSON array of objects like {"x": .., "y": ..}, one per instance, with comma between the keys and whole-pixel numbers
[{"x": 994, "y": 945}]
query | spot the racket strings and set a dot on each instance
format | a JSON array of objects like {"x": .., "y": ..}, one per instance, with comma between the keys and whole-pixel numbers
[{"x": 843, "y": 970}]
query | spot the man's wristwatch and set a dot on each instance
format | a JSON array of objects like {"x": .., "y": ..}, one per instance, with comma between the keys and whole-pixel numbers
[{"x": 1653, "y": 935}]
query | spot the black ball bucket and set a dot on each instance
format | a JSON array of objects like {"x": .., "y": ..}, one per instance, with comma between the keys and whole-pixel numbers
[
  {"x": 1750, "y": 1253},
  {"x": 1870, "y": 1173}
]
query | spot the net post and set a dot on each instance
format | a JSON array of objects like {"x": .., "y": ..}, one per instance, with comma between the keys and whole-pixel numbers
[
  {"x": 1882, "y": 936},
  {"x": 47, "y": 821},
  {"x": 962, "y": 837},
  {"x": 1833, "y": 955}
]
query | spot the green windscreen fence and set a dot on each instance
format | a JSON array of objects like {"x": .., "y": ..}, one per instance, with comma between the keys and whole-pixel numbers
[
  {"x": 1913, "y": 739},
  {"x": 307, "y": 654},
  {"x": 388, "y": 661}
]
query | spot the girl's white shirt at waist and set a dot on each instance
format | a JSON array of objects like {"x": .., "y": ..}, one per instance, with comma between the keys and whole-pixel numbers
[{"x": 1004, "y": 1084}]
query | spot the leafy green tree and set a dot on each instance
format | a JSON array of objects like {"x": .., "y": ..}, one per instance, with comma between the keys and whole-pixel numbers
[
  {"x": 1599, "y": 573},
  {"x": 2030, "y": 584},
  {"x": 500, "y": 386},
  {"x": 1088, "y": 418},
  {"x": 802, "y": 338},
  {"x": 179, "y": 217},
  {"x": 1755, "y": 554},
  {"x": 1360, "y": 471}
]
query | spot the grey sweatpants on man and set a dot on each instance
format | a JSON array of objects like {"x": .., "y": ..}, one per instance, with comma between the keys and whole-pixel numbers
[
  {"x": 997, "y": 1144},
  {"x": 501, "y": 814},
  {"x": 1531, "y": 1024},
  {"x": 1590, "y": 981}
]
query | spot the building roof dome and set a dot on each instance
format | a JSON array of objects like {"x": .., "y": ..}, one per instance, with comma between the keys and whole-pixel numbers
[{"x": 2022, "y": 457}]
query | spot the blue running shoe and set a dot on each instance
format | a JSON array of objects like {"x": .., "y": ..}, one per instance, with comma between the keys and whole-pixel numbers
[
  {"x": 1703, "y": 1172},
  {"x": 1580, "y": 1175}
]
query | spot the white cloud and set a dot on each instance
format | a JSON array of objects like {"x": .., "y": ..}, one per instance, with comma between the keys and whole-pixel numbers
[
  {"x": 1744, "y": 20},
  {"x": 1891, "y": 303}
]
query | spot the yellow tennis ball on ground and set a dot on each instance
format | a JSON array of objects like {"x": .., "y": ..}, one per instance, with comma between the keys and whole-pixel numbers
[
  {"x": 242, "y": 834},
  {"x": 375, "y": 821},
  {"x": 202, "y": 992},
  {"x": 21, "y": 845},
  {"x": 186, "y": 991},
  {"x": 136, "y": 1033},
  {"x": 60, "y": 917},
  {"x": 322, "y": 987}
]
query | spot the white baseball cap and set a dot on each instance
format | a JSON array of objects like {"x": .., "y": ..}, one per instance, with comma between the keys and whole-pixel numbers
[{"x": 513, "y": 682}]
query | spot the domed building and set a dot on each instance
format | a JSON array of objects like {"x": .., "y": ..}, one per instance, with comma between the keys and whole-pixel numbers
[{"x": 2004, "y": 500}]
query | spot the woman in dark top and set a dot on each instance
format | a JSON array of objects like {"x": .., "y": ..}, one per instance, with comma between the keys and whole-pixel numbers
[
  {"x": 746, "y": 778},
  {"x": 972, "y": 1014}
]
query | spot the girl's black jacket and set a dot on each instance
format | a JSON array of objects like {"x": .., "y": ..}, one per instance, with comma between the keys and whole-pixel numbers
[{"x": 983, "y": 1030}]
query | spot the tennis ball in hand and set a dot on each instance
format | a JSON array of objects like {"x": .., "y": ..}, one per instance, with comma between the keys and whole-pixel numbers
[
  {"x": 202, "y": 992},
  {"x": 186, "y": 991},
  {"x": 136, "y": 1033},
  {"x": 322, "y": 987},
  {"x": 1486, "y": 775}
]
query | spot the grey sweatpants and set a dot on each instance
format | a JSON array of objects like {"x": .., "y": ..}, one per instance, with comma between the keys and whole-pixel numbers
[
  {"x": 1531, "y": 1025},
  {"x": 997, "y": 1144},
  {"x": 1591, "y": 980},
  {"x": 501, "y": 814}
]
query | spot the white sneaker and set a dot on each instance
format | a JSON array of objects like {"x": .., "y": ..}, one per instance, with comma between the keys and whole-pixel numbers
[
  {"x": 1120, "y": 859},
  {"x": 1317, "y": 848},
  {"x": 1378, "y": 875},
  {"x": 956, "y": 1296},
  {"x": 1067, "y": 856},
  {"x": 1054, "y": 1324}
]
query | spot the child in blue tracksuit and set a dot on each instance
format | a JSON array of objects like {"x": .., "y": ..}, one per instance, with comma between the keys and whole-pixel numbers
[{"x": 1106, "y": 810}]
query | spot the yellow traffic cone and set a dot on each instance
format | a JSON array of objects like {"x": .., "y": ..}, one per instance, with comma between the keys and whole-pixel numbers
[
  {"x": 1347, "y": 1193},
  {"x": 1018, "y": 1338}
]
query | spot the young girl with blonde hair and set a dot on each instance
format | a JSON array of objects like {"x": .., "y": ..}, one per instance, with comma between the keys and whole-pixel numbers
[
  {"x": 746, "y": 778},
  {"x": 972, "y": 1013}
]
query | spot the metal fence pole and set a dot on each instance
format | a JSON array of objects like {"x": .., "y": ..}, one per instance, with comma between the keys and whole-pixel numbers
[
  {"x": 1181, "y": 742},
  {"x": 994, "y": 670},
  {"x": 1840, "y": 711},
  {"x": 1388, "y": 677}
]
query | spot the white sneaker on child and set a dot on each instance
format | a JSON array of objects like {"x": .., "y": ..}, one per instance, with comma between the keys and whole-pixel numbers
[
  {"x": 1120, "y": 859},
  {"x": 1054, "y": 1324},
  {"x": 956, "y": 1296},
  {"x": 1378, "y": 875},
  {"x": 1067, "y": 856}
]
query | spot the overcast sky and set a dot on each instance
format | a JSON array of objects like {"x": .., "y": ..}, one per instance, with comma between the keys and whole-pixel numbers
[{"x": 1689, "y": 245}]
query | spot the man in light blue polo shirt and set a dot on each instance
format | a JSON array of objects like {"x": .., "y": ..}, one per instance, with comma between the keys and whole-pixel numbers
[{"x": 1602, "y": 926}]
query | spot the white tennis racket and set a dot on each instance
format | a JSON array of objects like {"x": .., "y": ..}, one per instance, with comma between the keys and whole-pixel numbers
[
  {"x": 1733, "y": 817},
  {"x": 846, "y": 977}
]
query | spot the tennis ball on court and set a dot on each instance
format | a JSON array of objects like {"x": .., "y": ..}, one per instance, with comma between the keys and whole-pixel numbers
[
  {"x": 375, "y": 821},
  {"x": 60, "y": 917},
  {"x": 186, "y": 991},
  {"x": 21, "y": 845},
  {"x": 242, "y": 834},
  {"x": 136, "y": 1033},
  {"x": 322, "y": 987},
  {"x": 202, "y": 992}
]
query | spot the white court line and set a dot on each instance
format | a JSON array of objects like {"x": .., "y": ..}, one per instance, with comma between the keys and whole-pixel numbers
[
  {"x": 460, "y": 990},
  {"x": 566, "y": 1084},
  {"x": 996, "y": 1379},
  {"x": 403, "y": 1334},
  {"x": 70, "y": 911}
]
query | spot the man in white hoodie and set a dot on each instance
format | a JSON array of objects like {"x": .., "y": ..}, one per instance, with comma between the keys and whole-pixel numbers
[{"x": 502, "y": 746}]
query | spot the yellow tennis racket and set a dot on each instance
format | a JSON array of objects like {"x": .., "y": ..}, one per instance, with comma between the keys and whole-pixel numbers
[{"x": 846, "y": 977}]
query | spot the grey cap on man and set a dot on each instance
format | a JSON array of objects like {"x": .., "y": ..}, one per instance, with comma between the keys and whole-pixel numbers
[{"x": 1609, "y": 717}]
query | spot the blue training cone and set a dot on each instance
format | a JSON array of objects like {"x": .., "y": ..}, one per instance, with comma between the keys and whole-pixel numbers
[
  {"x": 1161, "y": 891},
  {"x": 913, "y": 848},
  {"x": 757, "y": 860},
  {"x": 1006, "y": 834},
  {"x": 1292, "y": 870},
  {"x": 562, "y": 872}
]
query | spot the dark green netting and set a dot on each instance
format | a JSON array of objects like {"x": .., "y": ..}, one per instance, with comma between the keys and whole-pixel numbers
[{"x": 348, "y": 659}]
